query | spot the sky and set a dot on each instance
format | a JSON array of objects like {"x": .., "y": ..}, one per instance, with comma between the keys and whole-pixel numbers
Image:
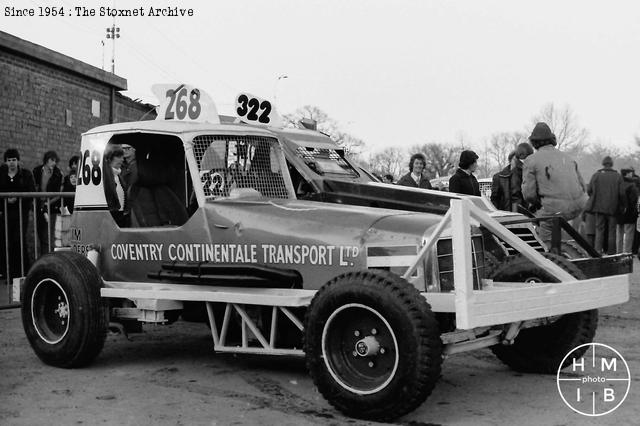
[{"x": 392, "y": 73}]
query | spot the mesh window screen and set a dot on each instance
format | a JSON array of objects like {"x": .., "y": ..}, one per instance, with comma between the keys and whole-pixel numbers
[
  {"x": 230, "y": 165},
  {"x": 324, "y": 160}
]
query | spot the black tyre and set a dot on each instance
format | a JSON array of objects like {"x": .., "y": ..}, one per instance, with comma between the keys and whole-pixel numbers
[
  {"x": 572, "y": 250},
  {"x": 63, "y": 316},
  {"x": 372, "y": 345},
  {"x": 541, "y": 349}
]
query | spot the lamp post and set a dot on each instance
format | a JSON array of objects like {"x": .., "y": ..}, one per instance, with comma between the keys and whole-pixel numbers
[{"x": 275, "y": 87}]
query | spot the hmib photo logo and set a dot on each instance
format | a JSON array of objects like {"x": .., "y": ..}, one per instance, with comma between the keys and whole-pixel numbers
[{"x": 596, "y": 382}]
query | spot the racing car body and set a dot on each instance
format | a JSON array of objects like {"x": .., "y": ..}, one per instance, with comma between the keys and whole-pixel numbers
[{"x": 379, "y": 294}]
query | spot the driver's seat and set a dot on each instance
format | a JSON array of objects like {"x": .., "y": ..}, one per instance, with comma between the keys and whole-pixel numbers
[{"x": 153, "y": 203}]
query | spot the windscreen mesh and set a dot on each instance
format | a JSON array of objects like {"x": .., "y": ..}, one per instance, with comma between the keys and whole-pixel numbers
[
  {"x": 230, "y": 166},
  {"x": 325, "y": 160}
]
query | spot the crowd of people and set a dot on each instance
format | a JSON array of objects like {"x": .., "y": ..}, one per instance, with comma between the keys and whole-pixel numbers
[
  {"x": 48, "y": 177},
  {"x": 542, "y": 180}
]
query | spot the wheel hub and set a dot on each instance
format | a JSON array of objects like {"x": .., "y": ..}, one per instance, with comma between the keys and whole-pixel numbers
[{"x": 369, "y": 346}]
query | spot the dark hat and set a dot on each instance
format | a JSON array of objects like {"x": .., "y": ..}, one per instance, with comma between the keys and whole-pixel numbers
[
  {"x": 626, "y": 171},
  {"x": 607, "y": 161},
  {"x": 541, "y": 132},
  {"x": 467, "y": 158}
]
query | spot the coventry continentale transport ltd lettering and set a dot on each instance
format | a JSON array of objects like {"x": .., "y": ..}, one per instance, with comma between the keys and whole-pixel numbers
[{"x": 293, "y": 254}]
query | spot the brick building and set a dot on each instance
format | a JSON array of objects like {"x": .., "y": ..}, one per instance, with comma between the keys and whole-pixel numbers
[{"x": 48, "y": 100}]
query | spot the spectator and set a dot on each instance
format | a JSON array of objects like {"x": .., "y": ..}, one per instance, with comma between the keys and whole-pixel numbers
[
  {"x": 501, "y": 186},
  {"x": 114, "y": 188},
  {"x": 69, "y": 182},
  {"x": 627, "y": 220},
  {"x": 606, "y": 200},
  {"x": 48, "y": 178},
  {"x": 523, "y": 150},
  {"x": 14, "y": 178},
  {"x": 463, "y": 181},
  {"x": 388, "y": 178},
  {"x": 416, "y": 177},
  {"x": 551, "y": 180}
]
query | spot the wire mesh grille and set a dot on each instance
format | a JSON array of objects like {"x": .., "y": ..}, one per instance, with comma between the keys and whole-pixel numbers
[
  {"x": 230, "y": 166},
  {"x": 485, "y": 188},
  {"x": 325, "y": 160},
  {"x": 445, "y": 263}
]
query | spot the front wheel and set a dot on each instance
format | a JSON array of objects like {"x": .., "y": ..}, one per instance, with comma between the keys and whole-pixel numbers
[
  {"x": 372, "y": 345},
  {"x": 63, "y": 316},
  {"x": 541, "y": 349}
]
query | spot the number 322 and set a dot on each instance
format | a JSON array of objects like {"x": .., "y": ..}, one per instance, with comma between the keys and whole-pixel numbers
[{"x": 250, "y": 107}]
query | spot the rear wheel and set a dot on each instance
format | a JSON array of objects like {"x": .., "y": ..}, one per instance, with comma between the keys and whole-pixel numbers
[
  {"x": 541, "y": 349},
  {"x": 63, "y": 315},
  {"x": 372, "y": 345}
]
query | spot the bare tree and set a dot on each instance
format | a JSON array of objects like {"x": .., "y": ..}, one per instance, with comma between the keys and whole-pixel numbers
[
  {"x": 500, "y": 145},
  {"x": 328, "y": 126},
  {"x": 570, "y": 135},
  {"x": 388, "y": 161}
]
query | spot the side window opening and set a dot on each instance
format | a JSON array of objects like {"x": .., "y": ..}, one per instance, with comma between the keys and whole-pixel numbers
[
  {"x": 152, "y": 178},
  {"x": 240, "y": 166}
]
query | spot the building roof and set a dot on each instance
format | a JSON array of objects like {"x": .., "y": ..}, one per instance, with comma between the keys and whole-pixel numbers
[{"x": 27, "y": 49}]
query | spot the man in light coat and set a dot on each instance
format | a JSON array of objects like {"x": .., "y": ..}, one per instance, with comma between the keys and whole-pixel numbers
[{"x": 552, "y": 181}]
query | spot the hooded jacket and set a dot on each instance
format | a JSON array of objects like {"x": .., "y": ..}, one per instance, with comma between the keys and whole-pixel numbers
[{"x": 551, "y": 179}]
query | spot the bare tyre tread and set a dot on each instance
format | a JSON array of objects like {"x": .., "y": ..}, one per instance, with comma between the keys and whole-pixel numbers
[{"x": 419, "y": 367}]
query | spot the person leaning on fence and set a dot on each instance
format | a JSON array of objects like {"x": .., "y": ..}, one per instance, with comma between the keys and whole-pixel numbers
[
  {"x": 463, "y": 181},
  {"x": 14, "y": 178},
  {"x": 416, "y": 177},
  {"x": 114, "y": 188},
  {"x": 48, "y": 178},
  {"x": 625, "y": 230},
  {"x": 551, "y": 180}
]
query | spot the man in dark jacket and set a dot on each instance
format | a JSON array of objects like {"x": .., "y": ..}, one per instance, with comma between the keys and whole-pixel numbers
[
  {"x": 416, "y": 177},
  {"x": 463, "y": 181},
  {"x": 627, "y": 221},
  {"x": 523, "y": 150},
  {"x": 48, "y": 178},
  {"x": 606, "y": 199},
  {"x": 501, "y": 186},
  {"x": 14, "y": 178}
]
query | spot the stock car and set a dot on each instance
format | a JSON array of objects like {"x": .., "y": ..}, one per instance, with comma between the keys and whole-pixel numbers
[{"x": 255, "y": 226}]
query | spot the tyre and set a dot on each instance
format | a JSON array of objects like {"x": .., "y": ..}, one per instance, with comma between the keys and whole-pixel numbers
[
  {"x": 63, "y": 315},
  {"x": 372, "y": 345},
  {"x": 541, "y": 349},
  {"x": 572, "y": 250}
]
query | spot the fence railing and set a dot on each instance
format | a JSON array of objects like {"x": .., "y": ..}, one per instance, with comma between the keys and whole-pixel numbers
[{"x": 27, "y": 231}]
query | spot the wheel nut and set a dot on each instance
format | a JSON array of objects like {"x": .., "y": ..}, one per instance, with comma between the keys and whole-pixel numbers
[
  {"x": 374, "y": 331},
  {"x": 371, "y": 364},
  {"x": 382, "y": 351},
  {"x": 356, "y": 333}
]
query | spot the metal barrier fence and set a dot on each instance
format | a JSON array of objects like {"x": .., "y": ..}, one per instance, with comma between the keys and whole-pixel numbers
[{"x": 27, "y": 231}]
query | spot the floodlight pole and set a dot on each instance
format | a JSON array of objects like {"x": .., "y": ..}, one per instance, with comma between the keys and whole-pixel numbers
[
  {"x": 113, "y": 33},
  {"x": 275, "y": 88}
]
